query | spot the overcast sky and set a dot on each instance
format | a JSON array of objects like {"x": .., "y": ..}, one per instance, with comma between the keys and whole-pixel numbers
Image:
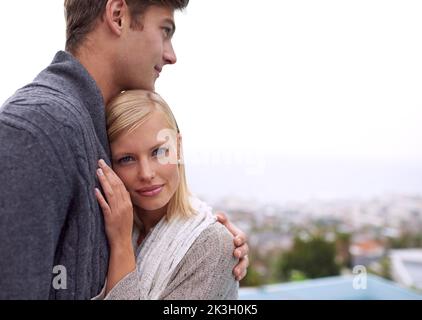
[
  {"x": 302, "y": 78},
  {"x": 291, "y": 77}
]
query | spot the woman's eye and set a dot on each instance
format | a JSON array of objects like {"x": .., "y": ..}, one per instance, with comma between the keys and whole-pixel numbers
[
  {"x": 124, "y": 160},
  {"x": 160, "y": 152}
]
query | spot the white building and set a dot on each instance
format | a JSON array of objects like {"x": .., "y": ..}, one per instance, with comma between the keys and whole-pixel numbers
[{"x": 406, "y": 267}]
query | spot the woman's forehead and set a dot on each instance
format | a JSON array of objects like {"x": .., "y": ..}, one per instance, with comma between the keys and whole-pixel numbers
[{"x": 142, "y": 139}]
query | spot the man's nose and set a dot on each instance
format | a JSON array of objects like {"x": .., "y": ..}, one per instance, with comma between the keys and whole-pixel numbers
[{"x": 169, "y": 55}]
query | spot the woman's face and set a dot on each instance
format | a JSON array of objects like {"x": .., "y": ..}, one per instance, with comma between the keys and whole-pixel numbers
[{"x": 146, "y": 162}]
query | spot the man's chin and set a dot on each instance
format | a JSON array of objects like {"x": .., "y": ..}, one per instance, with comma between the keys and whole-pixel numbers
[
  {"x": 143, "y": 86},
  {"x": 148, "y": 87}
]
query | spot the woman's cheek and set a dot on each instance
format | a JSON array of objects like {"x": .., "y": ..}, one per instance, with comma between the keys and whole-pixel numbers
[
  {"x": 169, "y": 172},
  {"x": 124, "y": 175}
]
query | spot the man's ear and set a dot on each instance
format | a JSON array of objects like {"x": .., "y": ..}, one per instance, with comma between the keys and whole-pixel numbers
[{"x": 115, "y": 13}]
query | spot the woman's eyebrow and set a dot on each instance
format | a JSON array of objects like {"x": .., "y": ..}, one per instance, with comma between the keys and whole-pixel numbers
[
  {"x": 120, "y": 154},
  {"x": 158, "y": 145},
  {"x": 124, "y": 153}
]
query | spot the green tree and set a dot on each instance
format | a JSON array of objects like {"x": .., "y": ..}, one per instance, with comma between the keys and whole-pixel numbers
[
  {"x": 253, "y": 278},
  {"x": 313, "y": 258},
  {"x": 342, "y": 248}
]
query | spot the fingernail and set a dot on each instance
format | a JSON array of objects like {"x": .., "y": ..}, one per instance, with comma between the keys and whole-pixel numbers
[
  {"x": 100, "y": 172},
  {"x": 102, "y": 163}
]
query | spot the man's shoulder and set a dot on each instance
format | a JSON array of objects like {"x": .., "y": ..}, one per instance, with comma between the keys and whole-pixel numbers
[
  {"x": 36, "y": 97},
  {"x": 39, "y": 107}
]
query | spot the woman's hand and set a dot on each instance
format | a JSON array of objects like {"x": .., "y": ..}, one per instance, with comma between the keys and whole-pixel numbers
[
  {"x": 117, "y": 207},
  {"x": 241, "y": 247},
  {"x": 118, "y": 218}
]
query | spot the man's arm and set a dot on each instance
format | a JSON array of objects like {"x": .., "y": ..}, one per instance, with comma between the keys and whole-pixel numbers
[{"x": 31, "y": 213}]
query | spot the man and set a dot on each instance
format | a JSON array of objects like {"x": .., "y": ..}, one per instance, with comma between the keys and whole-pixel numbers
[{"x": 53, "y": 132}]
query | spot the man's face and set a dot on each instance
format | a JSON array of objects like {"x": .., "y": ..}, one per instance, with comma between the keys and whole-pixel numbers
[{"x": 146, "y": 51}]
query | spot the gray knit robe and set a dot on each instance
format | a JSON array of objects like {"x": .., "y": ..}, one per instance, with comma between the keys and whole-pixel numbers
[{"x": 52, "y": 133}]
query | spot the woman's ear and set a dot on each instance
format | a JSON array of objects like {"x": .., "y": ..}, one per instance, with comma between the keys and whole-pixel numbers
[{"x": 115, "y": 13}]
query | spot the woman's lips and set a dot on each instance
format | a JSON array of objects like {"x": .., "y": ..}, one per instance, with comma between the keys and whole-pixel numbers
[{"x": 150, "y": 192}]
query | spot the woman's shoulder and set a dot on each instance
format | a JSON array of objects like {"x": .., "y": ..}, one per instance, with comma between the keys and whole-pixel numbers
[
  {"x": 215, "y": 239},
  {"x": 205, "y": 272},
  {"x": 216, "y": 233}
]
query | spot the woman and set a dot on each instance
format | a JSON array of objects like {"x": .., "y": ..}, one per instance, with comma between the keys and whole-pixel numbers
[{"x": 175, "y": 249}]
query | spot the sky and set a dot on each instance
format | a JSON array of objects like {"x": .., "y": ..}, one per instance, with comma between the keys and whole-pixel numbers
[{"x": 261, "y": 84}]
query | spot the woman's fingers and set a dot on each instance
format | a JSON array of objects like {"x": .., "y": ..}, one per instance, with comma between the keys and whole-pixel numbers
[
  {"x": 115, "y": 182},
  {"x": 115, "y": 191},
  {"x": 112, "y": 177},
  {"x": 116, "y": 205},
  {"x": 103, "y": 203},
  {"x": 105, "y": 184}
]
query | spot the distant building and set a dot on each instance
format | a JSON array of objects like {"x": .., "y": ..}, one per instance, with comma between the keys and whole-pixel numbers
[
  {"x": 406, "y": 267},
  {"x": 366, "y": 252}
]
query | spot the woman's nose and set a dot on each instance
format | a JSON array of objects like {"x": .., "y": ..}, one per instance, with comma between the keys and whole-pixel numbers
[{"x": 145, "y": 171}]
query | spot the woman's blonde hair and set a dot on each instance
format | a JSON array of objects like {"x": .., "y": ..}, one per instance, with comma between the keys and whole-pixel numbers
[{"x": 129, "y": 110}]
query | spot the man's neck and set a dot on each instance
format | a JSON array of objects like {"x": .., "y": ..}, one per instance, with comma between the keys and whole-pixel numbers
[{"x": 101, "y": 71}]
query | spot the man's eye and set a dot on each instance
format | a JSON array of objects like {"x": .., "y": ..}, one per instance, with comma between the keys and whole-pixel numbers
[
  {"x": 167, "y": 31},
  {"x": 125, "y": 160},
  {"x": 160, "y": 152}
]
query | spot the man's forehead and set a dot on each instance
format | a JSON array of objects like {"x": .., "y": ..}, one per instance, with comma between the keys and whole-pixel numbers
[
  {"x": 160, "y": 15},
  {"x": 161, "y": 12}
]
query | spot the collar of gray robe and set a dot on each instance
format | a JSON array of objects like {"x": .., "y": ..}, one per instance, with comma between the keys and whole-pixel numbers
[{"x": 67, "y": 75}]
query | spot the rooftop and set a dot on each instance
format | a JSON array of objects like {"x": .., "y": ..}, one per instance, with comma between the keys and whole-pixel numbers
[{"x": 331, "y": 288}]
